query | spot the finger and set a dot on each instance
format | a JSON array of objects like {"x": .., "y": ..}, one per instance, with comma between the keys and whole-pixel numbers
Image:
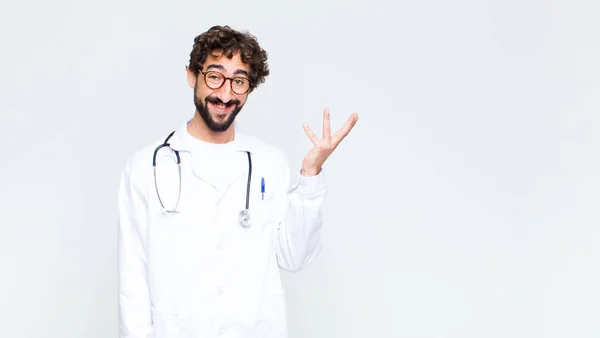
[
  {"x": 343, "y": 132},
  {"x": 326, "y": 126},
  {"x": 310, "y": 133}
]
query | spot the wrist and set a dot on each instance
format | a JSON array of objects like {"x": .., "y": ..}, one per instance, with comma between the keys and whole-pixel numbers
[{"x": 310, "y": 171}]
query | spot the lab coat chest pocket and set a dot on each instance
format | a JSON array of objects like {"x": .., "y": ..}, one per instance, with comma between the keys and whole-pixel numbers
[{"x": 261, "y": 206}]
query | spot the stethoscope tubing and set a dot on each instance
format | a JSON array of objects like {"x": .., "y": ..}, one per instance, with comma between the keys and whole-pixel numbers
[{"x": 244, "y": 215}]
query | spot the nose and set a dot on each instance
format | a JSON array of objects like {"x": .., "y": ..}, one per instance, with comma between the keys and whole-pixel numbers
[{"x": 225, "y": 93}]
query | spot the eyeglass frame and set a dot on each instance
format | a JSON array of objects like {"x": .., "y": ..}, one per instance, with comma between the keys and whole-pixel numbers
[{"x": 225, "y": 78}]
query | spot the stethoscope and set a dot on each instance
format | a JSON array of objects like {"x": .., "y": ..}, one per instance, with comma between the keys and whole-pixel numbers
[{"x": 244, "y": 215}]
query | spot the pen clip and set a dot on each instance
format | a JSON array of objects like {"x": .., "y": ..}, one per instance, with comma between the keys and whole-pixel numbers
[{"x": 262, "y": 187}]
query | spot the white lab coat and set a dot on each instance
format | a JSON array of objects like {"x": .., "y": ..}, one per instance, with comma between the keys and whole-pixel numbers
[{"x": 199, "y": 273}]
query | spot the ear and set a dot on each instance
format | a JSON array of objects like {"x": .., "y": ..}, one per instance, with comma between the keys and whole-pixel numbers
[{"x": 191, "y": 77}]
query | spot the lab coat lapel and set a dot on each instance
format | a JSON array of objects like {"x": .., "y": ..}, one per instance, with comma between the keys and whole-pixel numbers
[
  {"x": 220, "y": 176},
  {"x": 219, "y": 170},
  {"x": 236, "y": 164}
]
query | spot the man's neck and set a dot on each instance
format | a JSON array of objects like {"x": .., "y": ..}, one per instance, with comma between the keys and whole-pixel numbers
[{"x": 198, "y": 129}]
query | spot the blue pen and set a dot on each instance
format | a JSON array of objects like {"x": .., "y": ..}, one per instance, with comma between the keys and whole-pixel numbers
[{"x": 262, "y": 187}]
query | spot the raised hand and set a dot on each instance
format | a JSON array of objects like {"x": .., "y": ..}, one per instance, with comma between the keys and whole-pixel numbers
[{"x": 316, "y": 157}]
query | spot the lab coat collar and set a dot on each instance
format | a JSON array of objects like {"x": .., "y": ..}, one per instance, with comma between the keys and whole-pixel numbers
[
  {"x": 220, "y": 180},
  {"x": 181, "y": 139}
]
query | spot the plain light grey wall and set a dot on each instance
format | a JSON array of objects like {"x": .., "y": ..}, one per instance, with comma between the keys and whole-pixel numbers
[{"x": 466, "y": 202}]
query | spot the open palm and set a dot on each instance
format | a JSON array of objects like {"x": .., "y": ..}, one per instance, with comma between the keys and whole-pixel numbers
[{"x": 323, "y": 147}]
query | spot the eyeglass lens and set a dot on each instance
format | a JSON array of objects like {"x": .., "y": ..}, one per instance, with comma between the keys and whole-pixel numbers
[{"x": 214, "y": 80}]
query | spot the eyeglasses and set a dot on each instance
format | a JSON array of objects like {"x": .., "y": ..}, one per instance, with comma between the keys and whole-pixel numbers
[{"x": 214, "y": 80}]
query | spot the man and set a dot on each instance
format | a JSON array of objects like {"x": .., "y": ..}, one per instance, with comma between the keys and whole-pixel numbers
[{"x": 200, "y": 246}]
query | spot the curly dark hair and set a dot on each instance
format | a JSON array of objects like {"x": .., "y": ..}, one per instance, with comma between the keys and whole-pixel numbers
[{"x": 223, "y": 40}]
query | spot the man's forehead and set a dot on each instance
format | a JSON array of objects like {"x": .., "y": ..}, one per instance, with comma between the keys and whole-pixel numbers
[{"x": 217, "y": 59}]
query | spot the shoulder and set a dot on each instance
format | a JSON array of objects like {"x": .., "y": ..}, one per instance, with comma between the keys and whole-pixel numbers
[{"x": 138, "y": 164}]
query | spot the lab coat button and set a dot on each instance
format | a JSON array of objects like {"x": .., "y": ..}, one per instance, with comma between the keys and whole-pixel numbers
[
  {"x": 219, "y": 291},
  {"x": 221, "y": 332}
]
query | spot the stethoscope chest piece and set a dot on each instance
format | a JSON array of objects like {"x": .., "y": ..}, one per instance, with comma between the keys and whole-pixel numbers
[{"x": 245, "y": 219}]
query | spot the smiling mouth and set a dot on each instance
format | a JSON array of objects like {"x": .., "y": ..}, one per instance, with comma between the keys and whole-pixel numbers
[{"x": 221, "y": 109}]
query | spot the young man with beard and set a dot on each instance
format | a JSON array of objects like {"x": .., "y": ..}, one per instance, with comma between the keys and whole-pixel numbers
[{"x": 208, "y": 215}]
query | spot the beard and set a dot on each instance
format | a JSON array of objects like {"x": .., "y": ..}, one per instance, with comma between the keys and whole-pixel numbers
[{"x": 213, "y": 125}]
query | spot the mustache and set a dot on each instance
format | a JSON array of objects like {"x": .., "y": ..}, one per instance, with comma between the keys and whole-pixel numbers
[{"x": 216, "y": 100}]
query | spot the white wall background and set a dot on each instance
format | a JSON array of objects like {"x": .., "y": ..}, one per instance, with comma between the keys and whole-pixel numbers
[{"x": 465, "y": 204}]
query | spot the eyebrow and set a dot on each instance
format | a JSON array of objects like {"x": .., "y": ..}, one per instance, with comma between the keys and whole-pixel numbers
[
  {"x": 240, "y": 71},
  {"x": 220, "y": 67}
]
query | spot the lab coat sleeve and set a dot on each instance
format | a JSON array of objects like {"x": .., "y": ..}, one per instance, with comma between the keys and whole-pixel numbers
[
  {"x": 299, "y": 232},
  {"x": 134, "y": 301}
]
